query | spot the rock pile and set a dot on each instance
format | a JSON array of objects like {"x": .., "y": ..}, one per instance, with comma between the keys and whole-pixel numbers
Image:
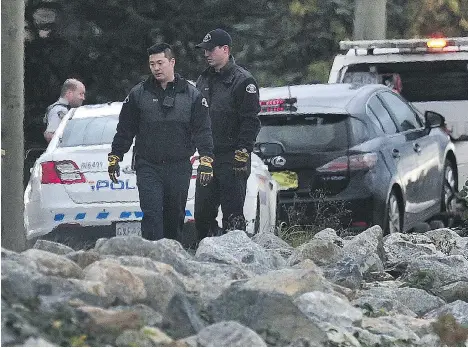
[{"x": 367, "y": 290}]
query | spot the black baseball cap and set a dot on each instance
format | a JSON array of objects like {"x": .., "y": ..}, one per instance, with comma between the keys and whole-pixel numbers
[{"x": 217, "y": 37}]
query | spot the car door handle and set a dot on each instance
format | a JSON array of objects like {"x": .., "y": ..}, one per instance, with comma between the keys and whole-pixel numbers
[
  {"x": 416, "y": 147},
  {"x": 396, "y": 153}
]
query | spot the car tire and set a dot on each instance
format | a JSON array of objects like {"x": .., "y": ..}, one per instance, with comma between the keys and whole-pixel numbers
[
  {"x": 449, "y": 186},
  {"x": 394, "y": 219},
  {"x": 436, "y": 224}
]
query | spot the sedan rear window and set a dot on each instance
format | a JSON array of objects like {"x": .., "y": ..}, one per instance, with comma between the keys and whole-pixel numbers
[
  {"x": 302, "y": 133},
  {"x": 89, "y": 131}
]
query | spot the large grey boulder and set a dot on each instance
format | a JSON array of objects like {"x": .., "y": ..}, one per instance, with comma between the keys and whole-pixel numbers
[
  {"x": 449, "y": 242},
  {"x": 52, "y": 247},
  {"x": 377, "y": 306},
  {"x": 236, "y": 248},
  {"x": 444, "y": 276},
  {"x": 321, "y": 251},
  {"x": 145, "y": 337},
  {"x": 417, "y": 300},
  {"x": 400, "y": 249},
  {"x": 329, "y": 234},
  {"x": 333, "y": 314},
  {"x": 98, "y": 320},
  {"x": 270, "y": 242},
  {"x": 345, "y": 272},
  {"x": 272, "y": 315},
  {"x": 458, "y": 308},
  {"x": 204, "y": 280},
  {"x": 147, "y": 315},
  {"x": 118, "y": 281},
  {"x": 291, "y": 282},
  {"x": 52, "y": 264},
  {"x": 83, "y": 258},
  {"x": 24, "y": 284},
  {"x": 180, "y": 318},
  {"x": 228, "y": 334},
  {"x": 321, "y": 307},
  {"x": 396, "y": 331},
  {"x": 366, "y": 249},
  {"x": 129, "y": 245},
  {"x": 165, "y": 250}
]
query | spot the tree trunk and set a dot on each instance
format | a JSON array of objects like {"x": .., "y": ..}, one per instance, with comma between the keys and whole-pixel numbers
[
  {"x": 370, "y": 20},
  {"x": 13, "y": 234}
]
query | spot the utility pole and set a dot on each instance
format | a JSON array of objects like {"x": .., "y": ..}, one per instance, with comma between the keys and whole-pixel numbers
[
  {"x": 370, "y": 20},
  {"x": 12, "y": 234}
]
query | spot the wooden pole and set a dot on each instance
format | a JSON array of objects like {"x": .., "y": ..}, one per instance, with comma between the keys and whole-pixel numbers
[
  {"x": 13, "y": 234},
  {"x": 370, "y": 20}
]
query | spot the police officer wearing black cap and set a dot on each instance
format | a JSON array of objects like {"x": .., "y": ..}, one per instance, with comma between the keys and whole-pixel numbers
[
  {"x": 168, "y": 118},
  {"x": 233, "y": 100}
]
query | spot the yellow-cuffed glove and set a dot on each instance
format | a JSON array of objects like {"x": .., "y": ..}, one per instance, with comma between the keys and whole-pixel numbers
[
  {"x": 113, "y": 167},
  {"x": 205, "y": 170},
  {"x": 241, "y": 158}
]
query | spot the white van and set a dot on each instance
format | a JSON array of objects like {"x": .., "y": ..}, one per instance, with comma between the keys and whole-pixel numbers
[{"x": 430, "y": 73}]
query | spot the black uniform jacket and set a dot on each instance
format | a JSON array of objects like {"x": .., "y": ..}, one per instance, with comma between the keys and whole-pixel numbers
[
  {"x": 163, "y": 133},
  {"x": 233, "y": 98}
]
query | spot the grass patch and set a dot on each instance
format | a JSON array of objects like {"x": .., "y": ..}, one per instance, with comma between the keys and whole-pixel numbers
[{"x": 304, "y": 220}]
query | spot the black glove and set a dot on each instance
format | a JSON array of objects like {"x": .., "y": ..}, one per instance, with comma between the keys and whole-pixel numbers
[
  {"x": 113, "y": 167},
  {"x": 205, "y": 170},
  {"x": 241, "y": 158}
]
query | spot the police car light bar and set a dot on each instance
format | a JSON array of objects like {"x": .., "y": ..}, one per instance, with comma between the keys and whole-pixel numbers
[{"x": 431, "y": 43}]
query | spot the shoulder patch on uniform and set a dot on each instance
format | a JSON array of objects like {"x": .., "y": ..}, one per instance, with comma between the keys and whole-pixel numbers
[
  {"x": 126, "y": 100},
  {"x": 251, "y": 88},
  {"x": 60, "y": 114},
  {"x": 204, "y": 102}
]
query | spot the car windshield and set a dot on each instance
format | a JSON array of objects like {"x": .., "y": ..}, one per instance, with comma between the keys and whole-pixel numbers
[
  {"x": 420, "y": 81},
  {"x": 305, "y": 133},
  {"x": 89, "y": 131}
]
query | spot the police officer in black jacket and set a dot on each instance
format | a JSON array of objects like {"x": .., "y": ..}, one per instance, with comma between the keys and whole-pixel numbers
[
  {"x": 233, "y": 100},
  {"x": 169, "y": 119}
]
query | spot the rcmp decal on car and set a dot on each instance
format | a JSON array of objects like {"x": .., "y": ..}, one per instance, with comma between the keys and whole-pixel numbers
[{"x": 107, "y": 184}]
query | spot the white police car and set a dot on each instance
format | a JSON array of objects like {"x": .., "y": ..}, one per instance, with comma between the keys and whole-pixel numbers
[{"x": 69, "y": 197}]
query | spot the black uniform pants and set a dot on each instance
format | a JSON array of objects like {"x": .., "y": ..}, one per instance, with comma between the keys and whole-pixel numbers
[
  {"x": 163, "y": 190},
  {"x": 226, "y": 189}
]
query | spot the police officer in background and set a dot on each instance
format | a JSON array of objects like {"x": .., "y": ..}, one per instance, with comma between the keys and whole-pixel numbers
[
  {"x": 72, "y": 95},
  {"x": 168, "y": 118},
  {"x": 233, "y": 100}
]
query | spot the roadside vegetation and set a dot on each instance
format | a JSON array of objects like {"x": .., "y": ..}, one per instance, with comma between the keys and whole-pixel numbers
[{"x": 303, "y": 220}]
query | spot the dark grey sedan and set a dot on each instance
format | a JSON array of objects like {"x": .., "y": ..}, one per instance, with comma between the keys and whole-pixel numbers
[{"x": 360, "y": 144}]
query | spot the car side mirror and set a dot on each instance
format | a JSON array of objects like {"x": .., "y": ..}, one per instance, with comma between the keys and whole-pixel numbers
[
  {"x": 433, "y": 119},
  {"x": 269, "y": 149}
]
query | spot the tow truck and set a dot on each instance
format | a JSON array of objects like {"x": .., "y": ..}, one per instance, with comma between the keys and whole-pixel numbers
[{"x": 431, "y": 73}]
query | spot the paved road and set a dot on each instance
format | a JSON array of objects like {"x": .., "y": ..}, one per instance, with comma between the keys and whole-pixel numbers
[{"x": 461, "y": 149}]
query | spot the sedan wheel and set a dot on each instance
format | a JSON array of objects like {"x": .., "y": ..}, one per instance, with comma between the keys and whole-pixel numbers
[
  {"x": 393, "y": 214},
  {"x": 448, "y": 189}
]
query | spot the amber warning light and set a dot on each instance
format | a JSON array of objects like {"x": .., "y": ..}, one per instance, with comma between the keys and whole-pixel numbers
[{"x": 436, "y": 43}]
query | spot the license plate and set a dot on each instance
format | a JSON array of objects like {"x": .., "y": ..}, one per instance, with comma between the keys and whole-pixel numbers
[
  {"x": 286, "y": 180},
  {"x": 132, "y": 228}
]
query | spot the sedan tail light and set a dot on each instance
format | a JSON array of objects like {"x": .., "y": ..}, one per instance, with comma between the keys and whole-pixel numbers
[
  {"x": 364, "y": 161},
  {"x": 62, "y": 172}
]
